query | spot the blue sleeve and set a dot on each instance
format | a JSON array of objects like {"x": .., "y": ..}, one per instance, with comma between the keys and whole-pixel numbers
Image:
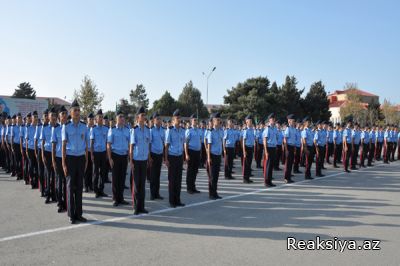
[
  {"x": 286, "y": 133},
  {"x": 209, "y": 137},
  {"x": 110, "y": 136},
  {"x": 64, "y": 135},
  {"x": 132, "y": 137},
  {"x": 168, "y": 136},
  {"x": 53, "y": 135},
  {"x": 187, "y": 135},
  {"x": 92, "y": 133}
]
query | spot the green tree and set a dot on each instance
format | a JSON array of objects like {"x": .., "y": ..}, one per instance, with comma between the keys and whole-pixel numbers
[
  {"x": 316, "y": 103},
  {"x": 138, "y": 97},
  {"x": 24, "y": 90},
  {"x": 190, "y": 101},
  {"x": 125, "y": 107},
  {"x": 166, "y": 105},
  {"x": 88, "y": 96},
  {"x": 290, "y": 98}
]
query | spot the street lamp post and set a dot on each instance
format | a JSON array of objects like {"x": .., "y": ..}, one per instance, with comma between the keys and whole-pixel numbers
[{"x": 208, "y": 77}]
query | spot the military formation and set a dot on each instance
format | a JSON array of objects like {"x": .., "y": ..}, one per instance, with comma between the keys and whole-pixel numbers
[{"x": 62, "y": 155}]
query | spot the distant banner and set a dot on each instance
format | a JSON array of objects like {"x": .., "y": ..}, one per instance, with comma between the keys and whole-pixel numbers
[{"x": 16, "y": 105}]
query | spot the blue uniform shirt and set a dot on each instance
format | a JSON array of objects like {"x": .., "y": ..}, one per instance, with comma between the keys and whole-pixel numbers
[
  {"x": 215, "y": 140},
  {"x": 271, "y": 133},
  {"x": 260, "y": 135},
  {"x": 230, "y": 136},
  {"x": 175, "y": 138},
  {"x": 99, "y": 136},
  {"x": 45, "y": 136},
  {"x": 76, "y": 137},
  {"x": 37, "y": 135},
  {"x": 249, "y": 137},
  {"x": 193, "y": 138},
  {"x": 157, "y": 139},
  {"x": 372, "y": 136},
  {"x": 22, "y": 133},
  {"x": 380, "y": 136},
  {"x": 320, "y": 137},
  {"x": 57, "y": 139},
  {"x": 356, "y": 135},
  {"x": 330, "y": 136},
  {"x": 140, "y": 138},
  {"x": 280, "y": 137},
  {"x": 290, "y": 135},
  {"x": 298, "y": 138},
  {"x": 308, "y": 135},
  {"x": 337, "y": 136},
  {"x": 347, "y": 135},
  {"x": 119, "y": 138},
  {"x": 15, "y": 134},
  {"x": 365, "y": 136}
]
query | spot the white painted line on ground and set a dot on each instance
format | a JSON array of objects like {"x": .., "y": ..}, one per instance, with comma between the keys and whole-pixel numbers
[{"x": 117, "y": 219}]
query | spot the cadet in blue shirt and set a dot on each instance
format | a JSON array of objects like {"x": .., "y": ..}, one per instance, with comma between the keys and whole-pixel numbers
[
  {"x": 229, "y": 143},
  {"x": 139, "y": 153},
  {"x": 337, "y": 145},
  {"x": 356, "y": 139},
  {"x": 259, "y": 146},
  {"x": 56, "y": 152},
  {"x": 279, "y": 148},
  {"x": 117, "y": 149},
  {"x": 30, "y": 149},
  {"x": 307, "y": 137},
  {"x": 98, "y": 140},
  {"x": 319, "y": 142},
  {"x": 192, "y": 153},
  {"x": 156, "y": 156},
  {"x": 248, "y": 149},
  {"x": 297, "y": 151},
  {"x": 38, "y": 151},
  {"x": 88, "y": 178},
  {"x": 24, "y": 157},
  {"x": 203, "y": 155},
  {"x": 347, "y": 145},
  {"x": 74, "y": 160},
  {"x": 174, "y": 139},
  {"x": 270, "y": 139},
  {"x": 16, "y": 146},
  {"x": 365, "y": 141},
  {"x": 289, "y": 142},
  {"x": 45, "y": 137},
  {"x": 329, "y": 144},
  {"x": 214, "y": 152}
]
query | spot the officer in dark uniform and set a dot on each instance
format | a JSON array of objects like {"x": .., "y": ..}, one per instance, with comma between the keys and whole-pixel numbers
[
  {"x": 74, "y": 161},
  {"x": 56, "y": 140},
  {"x": 98, "y": 139},
  {"x": 214, "y": 152},
  {"x": 117, "y": 150},
  {"x": 140, "y": 140},
  {"x": 174, "y": 139},
  {"x": 192, "y": 154},
  {"x": 289, "y": 142},
  {"x": 270, "y": 140},
  {"x": 248, "y": 149},
  {"x": 156, "y": 156}
]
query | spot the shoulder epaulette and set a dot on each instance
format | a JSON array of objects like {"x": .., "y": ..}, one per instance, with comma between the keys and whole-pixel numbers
[
  {"x": 82, "y": 122},
  {"x": 113, "y": 127},
  {"x": 68, "y": 122},
  {"x": 171, "y": 127},
  {"x": 136, "y": 126}
]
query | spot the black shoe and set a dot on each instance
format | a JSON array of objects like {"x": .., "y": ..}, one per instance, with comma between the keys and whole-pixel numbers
[
  {"x": 247, "y": 181},
  {"x": 124, "y": 202},
  {"x": 97, "y": 195},
  {"x": 196, "y": 191},
  {"x": 308, "y": 177},
  {"x": 180, "y": 204},
  {"x": 102, "y": 194},
  {"x": 125, "y": 187},
  {"x": 190, "y": 191},
  {"x": 270, "y": 185},
  {"x": 115, "y": 204},
  {"x": 172, "y": 205},
  {"x": 136, "y": 212},
  {"x": 323, "y": 168},
  {"x": 81, "y": 219},
  {"x": 60, "y": 210},
  {"x": 229, "y": 177},
  {"x": 152, "y": 198},
  {"x": 289, "y": 181},
  {"x": 159, "y": 197},
  {"x": 144, "y": 211},
  {"x": 47, "y": 201},
  {"x": 320, "y": 175},
  {"x": 347, "y": 171},
  {"x": 86, "y": 190},
  {"x": 72, "y": 221}
]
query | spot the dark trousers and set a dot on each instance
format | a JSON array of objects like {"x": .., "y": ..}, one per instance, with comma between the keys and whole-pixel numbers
[
  {"x": 50, "y": 176},
  {"x": 228, "y": 161},
  {"x": 269, "y": 162},
  {"x": 354, "y": 156},
  {"x": 76, "y": 169},
  {"x": 41, "y": 172},
  {"x": 364, "y": 154},
  {"x": 25, "y": 168},
  {"x": 155, "y": 172},
  {"x": 347, "y": 154},
  {"x": 119, "y": 176},
  {"x": 319, "y": 162},
  {"x": 329, "y": 151},
  {"x": 139, "y": 184},
  {"x": 371, "y": 153},
  {"x": 89, "y": 174},
  {"x": 337, "y": 153},
  {"x": 289, "y": 155},
  {"x": 278, "y": 156},
  {"x": 297, "y": 155},
  {"x": 17, "y": 160},
  {"x": 33, "y": 168},
  {"x": 394, "y": 146},
  {"x": 100, "y": 171},
  {"x": 61, "y": 183},
  {"x": 309, "y": 160},
  {"x": 247, "y": 163},
  {"x": 192, "y": 169},
  {"x": 7, "y": 160},
  {"x": 203, "y": 155},
  {"x": 175, "y": 178},
  {"x": 378, "y": 150},
  {"x": 259, "y": 154},
  {"x": 214, "y": 175}
]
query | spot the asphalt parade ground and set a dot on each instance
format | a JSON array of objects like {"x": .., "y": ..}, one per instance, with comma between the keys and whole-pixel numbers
[{"x": 249, "y": 226}]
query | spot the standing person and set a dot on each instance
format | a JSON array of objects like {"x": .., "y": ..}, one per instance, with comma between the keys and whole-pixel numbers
[
  {"x": 278, "y": 147},
  {"x": 329, "y": 144},
  {"x": 387, "y": 145},
  {"x": 259, "y": 144},
  {"x": 45, "y": 137},
  {"x": 229, "y": 143},
  {"x": 16, "y": 146},
  {"x": 394, "y": 142},
  {"x": 117, "y": 150},
  {"x": 192, "y": 154},
  {"x": 319, "y": 143},
  {"x": 289, "y": 142},
  {"x": 270, "y": 139},
  {"x": 140, "y": 140},
  {"x": 356, "y": 139},
  {"x": 337, "y": 145},
  {"x": 372, "y": 145},
  {"x": 156, "y": 156},
  {"x": 89, "y": 168},
  {"x": 56, "y": 140},
  {"x": 379, "y": 143},
  {"x": 203, "y": 147},
  {"x": 174, "y": 139},
  {"x": 74, "y": 161},
  {"x": 347, "y": 145},
  {"x": 30, "y": 149},
  {"x": 107, "y": 125},
  {"x": 214, "y": 153},
  {"x": 248, "y": 148},
  {"x": 307, "y": 138},
  {"x": 98, "y": 152},
  {"x": 365, "y": 143},
  {"x": 24, "y": 157},
  {"x": 297, "y": 151},
  {"x": 38, "y": 152}
]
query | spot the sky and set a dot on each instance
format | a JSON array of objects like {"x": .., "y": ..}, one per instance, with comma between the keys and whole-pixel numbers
[{"x": 164, "y": 44}]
